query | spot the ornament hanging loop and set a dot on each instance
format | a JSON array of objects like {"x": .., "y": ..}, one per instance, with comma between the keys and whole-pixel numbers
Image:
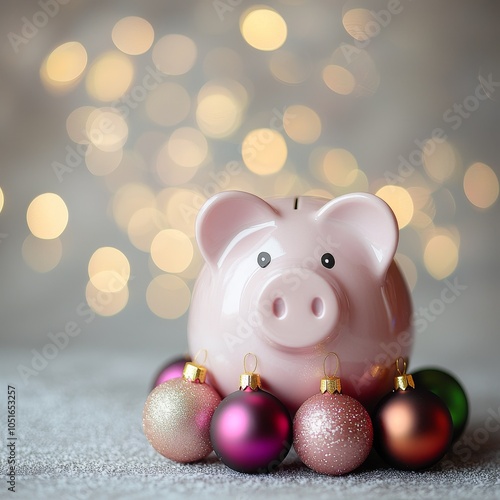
[
  {"x": 336, "y": 366},
  {"x": 404, "y": 366},
  {"x": 245, "y": 369},
  {"x": 199, "y": 353},
  {"x": 403, "y": 380},
  {"x": 249, "y": 379},
  {"x": 331, "y": 383}
]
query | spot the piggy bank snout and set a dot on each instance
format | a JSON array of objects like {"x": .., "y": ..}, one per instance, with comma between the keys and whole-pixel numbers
[{"x": 302, "y": 310}]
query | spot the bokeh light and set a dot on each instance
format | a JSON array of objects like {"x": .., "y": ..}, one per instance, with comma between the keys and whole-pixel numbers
[
  {"x": 106, "y": 303},
  {"x": 220, "y": 109},
  {"x": 109, "y": 269},
  {"x": 128, "y": 199},
  {"x": 174, "y": 54},
  {"x": 264, "y": 151},
  {"x": 144, "y": 225},
  {"x": 110, "y": 76},
  {"x": 263, "y": 28},
  {"x": 440, "y": 160},
  {"x": 2, "y": 199},
  {"x": 168, "y": 296},
  {"x": 107, "y": 129},
  {"x": 351, "y": 71},
  {"x": 398, "y": 198},
  {"x": 188, "y": 147},
  {"x": 339, "y": 166},
  {"x": 160, "y": 136},
  {"x": 47, "y": 216},
  {"x": 182, "y": 207},
  {"x": 76, "y": 124},
  {"x": 66, "y": 62},
  {"x": 360, "y": 23},
  {"x": 302, "y": 124},
  {"x": 441, "y": 256},
  {"x": 169, "y": 172},
  {"x": 481, "y": 185},
  {"x": 42, "y": 255},
  {"x": 133, "y": 35},
  {"x": 339, "y": 79},
  {"x": 172, "y": 251}
]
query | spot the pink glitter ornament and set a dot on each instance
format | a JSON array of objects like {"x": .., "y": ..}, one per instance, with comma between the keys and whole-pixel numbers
[
  {"x": 332, "y": 432},
  {"x": 177, "y": 414}
]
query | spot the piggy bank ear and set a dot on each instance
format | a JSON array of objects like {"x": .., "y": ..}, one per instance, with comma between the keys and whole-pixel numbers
[
  {"x": 227, "y": 216},
  {"x": 372, "y": 221}
]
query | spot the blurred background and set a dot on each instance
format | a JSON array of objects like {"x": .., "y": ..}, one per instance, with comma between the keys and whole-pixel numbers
[{"x": 118, "y": 119}]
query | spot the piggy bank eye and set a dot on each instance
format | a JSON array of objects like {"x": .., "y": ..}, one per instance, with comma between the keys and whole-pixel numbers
[
  {"x": 327, "y": 260},
  {"x": 263, "y": 259}
]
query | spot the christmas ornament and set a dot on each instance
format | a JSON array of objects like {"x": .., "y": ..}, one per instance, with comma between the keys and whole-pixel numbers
[
  {"x": 177, "y": 414},
  {"x": 332, "y": 432},
  {"x": 173, "y": 369},
  {"x": 448, "y": 388},
  {"x": 251, "y": 430},
  {"x": 412, "y": 426}
]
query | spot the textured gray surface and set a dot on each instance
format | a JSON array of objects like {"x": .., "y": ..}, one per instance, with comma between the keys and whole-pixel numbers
[
  {"x": 79, "y": 419},
  {"x": 79, "y": 436}
]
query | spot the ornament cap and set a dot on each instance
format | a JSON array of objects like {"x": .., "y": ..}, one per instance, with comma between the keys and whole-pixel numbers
[
  {"x": 250, "y": 380},
  {"x": 194, "y": 372},
  {"x": 331, "y": 385},
  {"x": 403, "y": 380}
]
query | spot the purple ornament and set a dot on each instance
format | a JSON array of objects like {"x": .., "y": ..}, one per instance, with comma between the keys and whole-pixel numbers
[
  {"x": 251, "y": 431},
  {"x": 173, "y": 369}
]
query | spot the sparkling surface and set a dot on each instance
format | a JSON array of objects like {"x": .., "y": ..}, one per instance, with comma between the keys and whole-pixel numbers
[
  {"x": 176, "y": 419},
  {"x": 332, "y": 433}
]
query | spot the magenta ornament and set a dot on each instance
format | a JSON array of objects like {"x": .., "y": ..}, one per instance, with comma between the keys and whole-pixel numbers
[
  {"x": 173, "y": 369},
  {"x": 251, "y": 430}
]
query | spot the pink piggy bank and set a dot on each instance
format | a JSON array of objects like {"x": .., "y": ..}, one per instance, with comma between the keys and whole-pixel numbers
[{"x": 292, "y": 279}]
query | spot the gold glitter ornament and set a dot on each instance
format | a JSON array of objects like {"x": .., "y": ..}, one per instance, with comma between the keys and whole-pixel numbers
[
  {"x": 332, "y": 432},
  {"x": 177, "y": 414}
]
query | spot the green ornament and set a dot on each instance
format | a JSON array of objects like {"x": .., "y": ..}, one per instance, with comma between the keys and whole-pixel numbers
[{"x": 447, "y": 387}]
